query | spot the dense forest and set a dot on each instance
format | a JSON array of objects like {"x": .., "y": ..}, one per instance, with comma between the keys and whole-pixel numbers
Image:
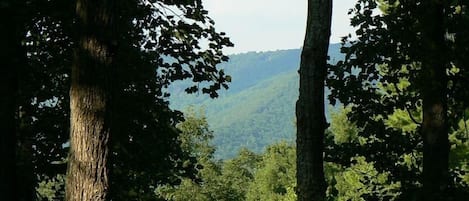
[{"x": 136, "y": 100}]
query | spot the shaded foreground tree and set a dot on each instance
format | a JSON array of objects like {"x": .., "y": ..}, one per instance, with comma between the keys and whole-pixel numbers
[
  {"x": 311, "y": 121},
  {"x": 87, "y": 173},
  {"x": 158, "y": 44},
  {"x": 435, "y": 104}
]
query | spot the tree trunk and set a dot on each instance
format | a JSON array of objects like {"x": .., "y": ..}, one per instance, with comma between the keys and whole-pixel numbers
[
  {"x": 434, "y": 93},
  {"x": 311, "y": 121},
  {"x": 87, "y": 173},
  {"x": 9, "y": 46}
]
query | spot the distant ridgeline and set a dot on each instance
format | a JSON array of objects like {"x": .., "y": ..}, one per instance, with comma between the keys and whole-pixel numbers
[{"x": 259, "y": 107}]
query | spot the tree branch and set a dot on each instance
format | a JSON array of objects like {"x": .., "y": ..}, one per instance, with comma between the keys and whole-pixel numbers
[{"x": 406, "y": 108}]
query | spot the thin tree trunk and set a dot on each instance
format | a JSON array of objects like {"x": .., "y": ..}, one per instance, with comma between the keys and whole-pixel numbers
[
  {"x": 87, "y": 173},
  {"x": 434, "y": 94},
  {"x": 311, "y": 122},
  {"x": 9, "y": 43}
]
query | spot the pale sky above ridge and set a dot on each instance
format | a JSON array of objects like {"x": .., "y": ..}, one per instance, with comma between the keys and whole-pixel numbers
[{"x": 261, "y": 25}]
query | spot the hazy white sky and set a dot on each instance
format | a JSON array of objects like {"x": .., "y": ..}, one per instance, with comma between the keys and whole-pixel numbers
[{"x": 259, "y": 25}]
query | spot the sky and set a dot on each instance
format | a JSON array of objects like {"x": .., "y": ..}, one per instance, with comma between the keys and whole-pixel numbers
[{"x": 262, "y": 25}]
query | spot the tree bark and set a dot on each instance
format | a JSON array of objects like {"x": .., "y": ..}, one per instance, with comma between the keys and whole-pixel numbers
[
  {"x": 9, "y": 49},
  {"x": 434, "y": 94},
  {"x": 311, "y": 121},
  {"x": 87, "y": 173}
]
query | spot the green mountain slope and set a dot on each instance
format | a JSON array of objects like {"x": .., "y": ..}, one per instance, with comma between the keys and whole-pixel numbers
[
  {"x": 259, "y": 107},
  {"x": 255, "y": 117},
  {"x": 246, "y": 70}
]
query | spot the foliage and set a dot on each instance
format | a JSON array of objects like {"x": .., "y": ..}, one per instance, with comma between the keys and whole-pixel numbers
[
  {"x": 271, "y": 174},
  {"x": 240, "y": 171},
  {"x": 209, "y": 183},
  {"x": 350, "y": 174},
  {"x": 344, "y": 131},
  {"x": 408, "y": 165},
  {"x": 196, "y": 134},
  {"x": 361, "y": 181},
  {"x": 51, "y": 189},
  {"x": 275, "y": 178},
  {"x": 459, "y": 156}
]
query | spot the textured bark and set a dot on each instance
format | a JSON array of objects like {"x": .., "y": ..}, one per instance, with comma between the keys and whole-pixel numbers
[
  {"x": 434, "y": 93},
  {"x": 87, "y": 173},
  {"x": 9, "y": 45},
  {"x": 311, "y": 122}
]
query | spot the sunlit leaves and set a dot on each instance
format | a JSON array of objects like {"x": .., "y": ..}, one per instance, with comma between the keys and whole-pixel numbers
[
  {"x": 343, "y": 130},
  {"x": 362, "y": 181},
  {"x": 275, "y": 176},
  {"x": 401, "y": 120}
]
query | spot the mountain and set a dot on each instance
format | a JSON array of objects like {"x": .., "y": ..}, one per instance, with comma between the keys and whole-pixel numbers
[{"x": 259, "y": 107}]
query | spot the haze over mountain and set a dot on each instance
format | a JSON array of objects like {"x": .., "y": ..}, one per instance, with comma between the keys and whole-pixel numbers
[{"x": 259, "y": 107}]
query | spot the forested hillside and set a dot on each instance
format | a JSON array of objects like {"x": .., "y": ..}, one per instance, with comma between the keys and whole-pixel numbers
[{"x": 259, "y": 107}]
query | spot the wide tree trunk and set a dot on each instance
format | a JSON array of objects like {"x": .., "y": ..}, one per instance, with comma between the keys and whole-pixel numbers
[
  {"x": 434, "y": 94},
  {"x": 9, "y": 58},
  {"x": 87, "y": 173},
  {"x": 311, "y": 122}
]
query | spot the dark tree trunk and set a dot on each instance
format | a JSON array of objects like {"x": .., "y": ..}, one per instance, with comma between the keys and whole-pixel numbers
[
  {"x": 311, "y": 122},
  {"x": 8, "y": 86},
  {"x": 87, "y": 173},
  {"x": 434, "y": 95},
  {"x": 12, "y": 58}
]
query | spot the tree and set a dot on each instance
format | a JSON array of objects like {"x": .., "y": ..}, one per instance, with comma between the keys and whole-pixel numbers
[
  {"x": 195, "y": 140},
  {"x": 435, "y": 104},
  {"x": 87, "y": 173},
  {"x": 407, "y": 58},
  {"x": 172, "y": 52},
  {"x": 349, "y": 174},
  {"x": 238, "y": 173},
  {"x": 274, "y": 178},
  {"x": 311, "y": 122},
  {"x": 361, "y": 181}
]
